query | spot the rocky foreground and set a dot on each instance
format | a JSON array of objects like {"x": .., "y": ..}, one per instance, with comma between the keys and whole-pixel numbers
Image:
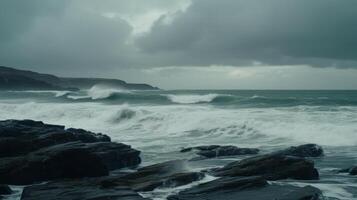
[{"x": 78, "y": 164}]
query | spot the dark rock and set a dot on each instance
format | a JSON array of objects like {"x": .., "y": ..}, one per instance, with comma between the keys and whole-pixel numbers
[
  {"x": 37, "y": 167},
  {"x": 351, "y": 170},
  {"x": 19, "y": 137},
  {"x": 88, "y": 137},
  {"x": 212, "y": 151},
  {"x": 306, "y": 150},
  {"x": 167, "y": 174},
  {"x": 242, "y": 188},
  {"x": 305, "y": 193},
  {"x": 69, "y": 160},
  {"x": 5, "y": 190},
  {"x": 86, "y": 189},
  {"x": 272, "y": 167},
  {"x": 227, "y": 183},
  {"x": 113, "y": 155}
]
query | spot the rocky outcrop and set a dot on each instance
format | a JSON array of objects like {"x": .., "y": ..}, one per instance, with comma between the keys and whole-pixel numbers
[
  {"x": 288, "y": 163},
  {"x": 33, "y": 151},
  {"x": 212, "y": 151},
  {"x": 19, "y": 137},
  {"x": 122, "y": 186},
  {"x": 246, "y": 188},
  {"x": 272, "y": 167},
  {"x": 85, "y": 189},
  {"x": 78, "y": 164},
  {"x": 169, "y": 174}
]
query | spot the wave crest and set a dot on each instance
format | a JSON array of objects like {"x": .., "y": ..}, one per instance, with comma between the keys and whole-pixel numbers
[
  {"x": 103, "y": 92},
  {"x": 192, "y": 99}
]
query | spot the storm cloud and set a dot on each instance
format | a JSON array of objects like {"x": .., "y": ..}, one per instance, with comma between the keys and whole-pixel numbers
[
  {"x": 232, "y": 32},
  {"x": 95, "y": 35}
]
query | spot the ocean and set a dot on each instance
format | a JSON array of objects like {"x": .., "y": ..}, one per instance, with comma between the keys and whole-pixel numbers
[{"x": 160, "y": 123}]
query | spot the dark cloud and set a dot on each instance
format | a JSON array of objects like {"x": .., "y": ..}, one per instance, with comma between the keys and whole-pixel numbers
[
  {"x": 232, "y": 32},
  {"x": 75, "y": 38},
  {"x": 58, "y": 36}
]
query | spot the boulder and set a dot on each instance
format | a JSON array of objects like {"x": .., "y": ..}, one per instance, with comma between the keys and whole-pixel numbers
[
  {"x": 19, "y": 137},
  {"x": 212, "y": 151},
  {"x": 113, "y": 155},
  {"x": 69, "y": 160},
  {"x": 244, "y": 188},
  {"x": 306, "y": 150},
  {"x": 85, "y": 189},
  {"x": 31, "y": 151},
  {"x": 271, "y": 167},
  {"x": 37, "y": 167}
]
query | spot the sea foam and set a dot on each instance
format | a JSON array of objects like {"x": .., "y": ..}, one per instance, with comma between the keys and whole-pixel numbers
[
  {"x": 192, "y": 99},
  {"x": 102, "y": 91}
]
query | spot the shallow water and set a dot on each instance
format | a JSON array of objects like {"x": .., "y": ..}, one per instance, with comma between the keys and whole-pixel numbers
[{"x": 160, "y": 123}]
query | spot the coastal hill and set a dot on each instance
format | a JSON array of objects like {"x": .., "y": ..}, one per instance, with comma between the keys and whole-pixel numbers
[{"x": 15, "y": 79}]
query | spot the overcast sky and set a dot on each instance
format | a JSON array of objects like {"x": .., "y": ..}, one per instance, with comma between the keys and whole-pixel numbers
[{"x": 186, "y": 44}]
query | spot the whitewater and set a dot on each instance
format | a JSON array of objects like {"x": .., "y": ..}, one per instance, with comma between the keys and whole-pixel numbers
[{"x": 160, "y": 123}]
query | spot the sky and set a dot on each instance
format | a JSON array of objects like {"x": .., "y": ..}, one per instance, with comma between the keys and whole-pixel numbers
[{"x": 186, "y": 44}]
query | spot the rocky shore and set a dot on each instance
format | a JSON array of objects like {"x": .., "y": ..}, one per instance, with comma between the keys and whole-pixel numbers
[{"x": 65, "y": 164}]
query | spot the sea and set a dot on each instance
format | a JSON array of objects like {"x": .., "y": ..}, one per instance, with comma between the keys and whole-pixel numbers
[{"x": 159, "y": 123}]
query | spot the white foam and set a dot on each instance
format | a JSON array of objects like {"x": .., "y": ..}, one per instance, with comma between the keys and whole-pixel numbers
[
  {"x": 191, "y": 99},
  {"x": 175, "y": 125},
  {"x": 62, "y": 93},
  {"x": 102, "y": 91}
]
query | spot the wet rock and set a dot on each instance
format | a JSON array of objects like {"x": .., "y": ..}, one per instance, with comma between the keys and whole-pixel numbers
[
  {"x": 69, "y": 160},
  {"x": 113, "y": 155},
  {"x": 351, "y": 170},
  {"x": 85, "y": 189},
  {"x": 167, "y": 174},
  {"x": 61, "y": 163},
  {"x": 225, "y": 184},
  {"x": 5, "y": 190},
  {"x": 272, "y": 167},
  {"x": 244, "y": 188},
  {"x": 31, "y": 151},
  {"x": 121, "y": 186},
  {"x": 19, "y": 137},
  {"x": 212, "y": 151},
  {"x": 306, "y": 150},
  {"x": 87, "y": 136},
  {"x": 305, "y": 193}
]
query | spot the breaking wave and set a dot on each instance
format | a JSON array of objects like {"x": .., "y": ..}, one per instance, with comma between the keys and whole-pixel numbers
[
  {"x": 180, "y": 125},
  {"x": 192, "y": 99},
  {"x": 103, "y": 92}
]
